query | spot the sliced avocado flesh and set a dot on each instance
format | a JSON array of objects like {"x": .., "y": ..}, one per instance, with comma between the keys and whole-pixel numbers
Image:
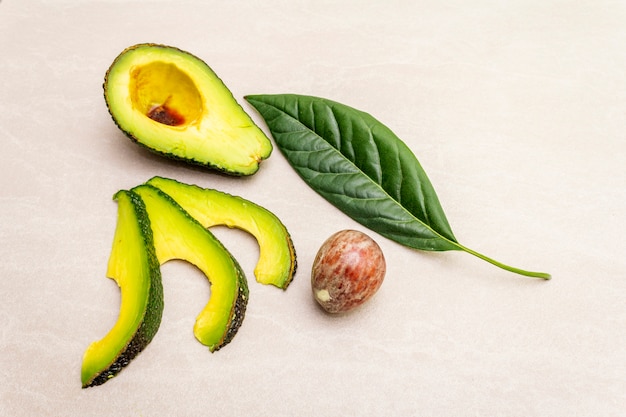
[
  {"x": 153, "y": 229},
  {"x": 173, "y": 103},
  {"x": 178, "y": 236},
  {"x": 134, "y": 266},
  {"x": 277, "y": 258}
]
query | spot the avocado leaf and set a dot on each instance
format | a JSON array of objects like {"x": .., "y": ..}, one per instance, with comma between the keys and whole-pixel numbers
[{"x": 361, "y": 167}]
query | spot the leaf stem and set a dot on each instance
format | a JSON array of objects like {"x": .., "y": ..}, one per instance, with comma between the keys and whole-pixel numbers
[{"x": 531, "y": 274}]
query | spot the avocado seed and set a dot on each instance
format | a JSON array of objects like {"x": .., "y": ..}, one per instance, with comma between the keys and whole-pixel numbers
[{"x": 347, "y": 271}]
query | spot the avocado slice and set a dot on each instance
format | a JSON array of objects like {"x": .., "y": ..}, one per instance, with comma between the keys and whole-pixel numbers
[
  {"x": 174, "y": 104},
  {"x": 134, "y": 266},
  {"x": 277, "y": 257},
  {"x": 179, "y": 236},
  {"x": 153, "y": 229}
]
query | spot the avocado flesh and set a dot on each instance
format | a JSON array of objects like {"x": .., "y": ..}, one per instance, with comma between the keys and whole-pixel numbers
[
  {"x": 277, "y": 258},
  {"x": 178, "y": 236},
  {"x": 174, "y": 104},
  {"x": 134, "y": 267}
]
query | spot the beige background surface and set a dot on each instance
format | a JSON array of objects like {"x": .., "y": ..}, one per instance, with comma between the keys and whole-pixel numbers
[{"x": 517, "y": 111}]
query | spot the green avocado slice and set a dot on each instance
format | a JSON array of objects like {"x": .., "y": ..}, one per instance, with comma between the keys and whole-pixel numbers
[
  {"x": 277, "y": 257},
  {"x": 153, "y": 229},
  {"x": 134, "y": 267},
  {"x": 179, "y": 236},
  {"x": 174, "y": 104}
]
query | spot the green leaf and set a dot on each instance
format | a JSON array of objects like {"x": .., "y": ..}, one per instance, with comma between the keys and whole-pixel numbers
[{"x": 362, "y": 168}]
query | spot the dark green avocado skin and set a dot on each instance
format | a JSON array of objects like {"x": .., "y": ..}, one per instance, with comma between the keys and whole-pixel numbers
[{"x": 239, "y": 309}]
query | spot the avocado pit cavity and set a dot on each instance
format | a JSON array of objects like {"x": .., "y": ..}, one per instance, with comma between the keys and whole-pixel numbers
[{"x": 165, "y": 94}]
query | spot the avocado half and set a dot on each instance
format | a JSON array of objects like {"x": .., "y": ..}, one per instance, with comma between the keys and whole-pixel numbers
[{"x": 174, "y": 104}]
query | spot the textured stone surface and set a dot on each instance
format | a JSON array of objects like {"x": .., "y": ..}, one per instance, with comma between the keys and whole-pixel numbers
[{"x": 515, "y": 109}]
